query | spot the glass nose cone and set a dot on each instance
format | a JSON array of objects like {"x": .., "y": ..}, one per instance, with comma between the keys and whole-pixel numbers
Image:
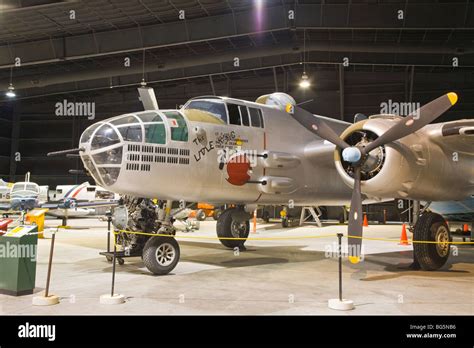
[
  {"x": 104, "y": 137},
  {"x": 103, "y": 158}
]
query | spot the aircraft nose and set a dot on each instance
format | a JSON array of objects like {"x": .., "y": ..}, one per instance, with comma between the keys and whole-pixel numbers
[{"x": 103, "y": 151}]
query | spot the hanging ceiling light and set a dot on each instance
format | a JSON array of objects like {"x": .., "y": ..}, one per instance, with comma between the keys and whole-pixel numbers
[
  {"x": 11, "y": 91},
  {"x": 304, "y": 83}
]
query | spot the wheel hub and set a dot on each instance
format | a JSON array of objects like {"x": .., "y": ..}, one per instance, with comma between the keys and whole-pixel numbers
[
  {"x": 238, "y": 229},
  {"x": 442, "y": 239},
  {"x": 165, "y": 254}
]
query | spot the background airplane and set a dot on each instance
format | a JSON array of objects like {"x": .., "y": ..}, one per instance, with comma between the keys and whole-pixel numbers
[
  {"x": 84, "y": 192},
  {"x": 225, "y": 150},
  {"x": 27, "y": 195}
]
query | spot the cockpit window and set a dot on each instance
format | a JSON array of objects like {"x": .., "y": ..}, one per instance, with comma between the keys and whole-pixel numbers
[
  {"x": 206, "y": 111},
  {"x": 179, "y": 130},
  {"x": 131, "y": 132},
  {"x": 92, "y": 169},
  {"x": 109, "y": 175},
  {"x": 113, "y": 156},
  {"x": 127, "y": 119},
  {"x": 105, "y": 136},
  {"x": 149, "y": 117},
  {"x": 155, "y": 133},
  {"x": 244, "y": 114},
  {"x": 234, "y": 114},
  {"x": 32, "y": 187},
  {"x": 88, "y": 133},
  {"x": 256, "y": 117}
]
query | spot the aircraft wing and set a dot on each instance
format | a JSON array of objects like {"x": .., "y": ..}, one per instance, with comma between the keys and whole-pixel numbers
[
  {"x": 455, "y": 136},
  {"x": 71, "y": 204},
  {"x": 96, "y": 204}
]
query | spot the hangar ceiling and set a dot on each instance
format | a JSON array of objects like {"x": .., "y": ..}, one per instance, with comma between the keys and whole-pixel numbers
[{"x": 82, "y": 58}]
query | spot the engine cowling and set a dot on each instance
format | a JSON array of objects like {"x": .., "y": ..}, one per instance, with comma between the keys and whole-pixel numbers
[
  {"x": 413, "y": 167},
  {"x": 278, "y": 100}
]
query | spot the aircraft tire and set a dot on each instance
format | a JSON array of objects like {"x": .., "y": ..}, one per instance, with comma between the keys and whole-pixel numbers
[
  {"x": 200, "y": 215},
  {"x": 161, "y": 254},
  {"x": 266, "y": 216},
  {"x": 216, "y": 214},
  {"x": 431, "y": 227},
  {"x": 228, "y": 228}
]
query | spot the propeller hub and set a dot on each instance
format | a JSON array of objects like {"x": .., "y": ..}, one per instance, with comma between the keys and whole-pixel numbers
[{"x": 351, "y": 154}]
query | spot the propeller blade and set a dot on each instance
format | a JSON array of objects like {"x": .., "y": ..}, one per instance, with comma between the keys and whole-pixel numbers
[
  {"x": 355, "y": 220},
  {"x": 315, "y": 125},
  {"x": 415, "y": 121}
]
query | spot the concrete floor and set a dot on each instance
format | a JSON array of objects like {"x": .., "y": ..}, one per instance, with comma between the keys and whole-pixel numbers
[{"x": 271, "y": 277}]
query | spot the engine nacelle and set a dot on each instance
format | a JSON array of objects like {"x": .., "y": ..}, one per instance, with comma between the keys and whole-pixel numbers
[
  {"x": 413, "y": 167},
  {"x": 277, "y": 99}
]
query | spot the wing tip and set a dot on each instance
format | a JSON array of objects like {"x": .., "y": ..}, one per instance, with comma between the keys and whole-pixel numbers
[{"x": 453, "y": 97}]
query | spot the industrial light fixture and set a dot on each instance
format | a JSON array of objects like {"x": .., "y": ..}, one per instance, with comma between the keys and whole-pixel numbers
[
  {"x": 11, "y": 91},
  {"x": 304, "y": 83}
]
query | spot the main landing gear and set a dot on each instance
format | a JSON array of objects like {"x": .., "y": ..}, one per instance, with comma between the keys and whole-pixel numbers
[
  {"x": 431, "y": 227},
  {"x": 233, "y": 223}
]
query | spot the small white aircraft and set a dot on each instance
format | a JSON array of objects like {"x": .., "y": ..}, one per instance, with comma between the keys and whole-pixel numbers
[
  {"x": 26, "y": 195},
  {"x": 224, "y": 150},
  {"x": 84, "y": 192}
]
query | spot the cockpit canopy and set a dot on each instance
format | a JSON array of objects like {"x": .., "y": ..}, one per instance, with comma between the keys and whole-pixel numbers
[
  {"x": 24, "y": 190},
  {"x": 106, "y": 139},
  {"x": 223, "y": 111},
  {"x": 148, "y": 127}
]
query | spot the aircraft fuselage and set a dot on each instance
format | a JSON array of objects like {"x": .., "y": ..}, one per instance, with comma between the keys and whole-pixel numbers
[{"x": 283, "y": 161}]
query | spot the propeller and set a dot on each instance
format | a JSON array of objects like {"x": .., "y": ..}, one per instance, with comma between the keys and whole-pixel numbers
[
  {"x": 358, "y": 155},
  {"x": 316, "y": 125}
]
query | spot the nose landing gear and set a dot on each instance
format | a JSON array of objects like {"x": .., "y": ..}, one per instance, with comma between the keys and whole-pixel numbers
[{"x": 160, "y": 254}]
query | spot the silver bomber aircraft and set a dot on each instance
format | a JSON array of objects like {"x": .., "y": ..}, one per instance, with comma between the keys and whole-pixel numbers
[{"x": 229, "y": 151}]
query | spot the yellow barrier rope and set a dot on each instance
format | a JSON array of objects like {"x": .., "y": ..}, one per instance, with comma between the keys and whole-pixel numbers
[{"x": 286, "y": 238}]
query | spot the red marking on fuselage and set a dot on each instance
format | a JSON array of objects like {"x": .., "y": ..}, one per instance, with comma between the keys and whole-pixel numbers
[
  {"x": 77, "y": 192},
  {"x": 237, "y": 169}
]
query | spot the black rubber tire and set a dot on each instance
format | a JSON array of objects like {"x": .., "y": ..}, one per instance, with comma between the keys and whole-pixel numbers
[
  {"x": 284, "y": 223},
  {"x": 266, "y": 216},
  {"x": 216, "y": 214},
  {"x": 342, "y": 219},
  {"x": 149, "y": 255},
  {"x": 201, "y": 215},
  {"x": 120, "y": 261},
  {"x": 426, "y": 229},
  {"x": 223, "y": 229}
]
